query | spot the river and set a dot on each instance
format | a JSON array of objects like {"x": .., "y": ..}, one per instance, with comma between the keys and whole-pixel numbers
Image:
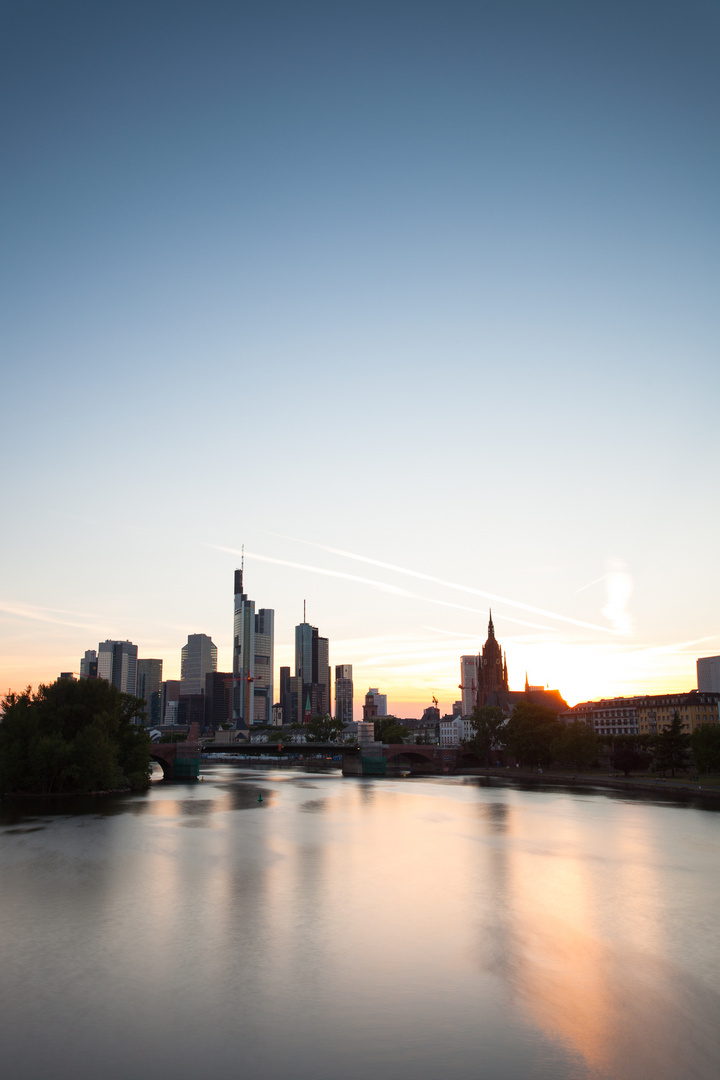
[{"x": 361, "y": 929}]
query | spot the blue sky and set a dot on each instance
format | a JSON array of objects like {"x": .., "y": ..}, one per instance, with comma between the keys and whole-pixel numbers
[{"x": 433, "y": 284}]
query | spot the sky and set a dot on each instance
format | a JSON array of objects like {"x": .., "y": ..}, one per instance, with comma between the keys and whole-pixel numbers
[{"x": 417, "y": 302}]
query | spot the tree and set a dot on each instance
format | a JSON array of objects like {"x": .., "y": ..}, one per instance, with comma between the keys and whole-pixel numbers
[
  {"x": 388, "y": 729},
  {"x": 73, "y": 736},
  {"x": 529, "y": 733},
  {"x": 671, "y": 747},
  {"x": 625, "y": 758},
  {"x": 576, "y": 745},
  {"x": 487, "y": 722},
  {"x": 323, "y": 729},
  {"x": 705, "y": 745}
]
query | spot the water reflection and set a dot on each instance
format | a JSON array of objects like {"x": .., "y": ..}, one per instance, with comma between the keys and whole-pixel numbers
[
  {"x": 412, "y": 928},
  {"x": 497, "y": 815}
]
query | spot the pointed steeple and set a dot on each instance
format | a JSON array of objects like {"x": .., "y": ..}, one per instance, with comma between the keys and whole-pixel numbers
[
  {"x": 491, "y": 628},
  {"x": 527, "y": 684}
]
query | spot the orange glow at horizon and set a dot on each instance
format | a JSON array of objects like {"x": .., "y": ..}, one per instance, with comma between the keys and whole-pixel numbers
[{"x": 411, "y": 668}]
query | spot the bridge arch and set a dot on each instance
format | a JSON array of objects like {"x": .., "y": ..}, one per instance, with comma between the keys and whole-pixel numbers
[
  {"x": 410, "y": 752},
  {"x": 164, "y": 755}
]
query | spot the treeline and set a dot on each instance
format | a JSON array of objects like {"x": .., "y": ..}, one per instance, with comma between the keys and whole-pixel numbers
[
  {"x": 535, "y": 738},
  {"x": 388, "y": 729},
  {"x": 72, "y": 737}
]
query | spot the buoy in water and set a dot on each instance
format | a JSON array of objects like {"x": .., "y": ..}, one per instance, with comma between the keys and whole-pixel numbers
[{"x": 259, "y": 798}]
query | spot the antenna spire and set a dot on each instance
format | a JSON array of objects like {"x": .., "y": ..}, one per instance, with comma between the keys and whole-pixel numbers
[
  {"x": 304, "y": 619},
  {"x": 242, "y": 558}
]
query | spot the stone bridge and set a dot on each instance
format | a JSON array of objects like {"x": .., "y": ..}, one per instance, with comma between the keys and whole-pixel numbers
[
  {"x": 181, "y": 760},
  {"x": 441, "y": 758},
  {"x": 418, "y": 757}
]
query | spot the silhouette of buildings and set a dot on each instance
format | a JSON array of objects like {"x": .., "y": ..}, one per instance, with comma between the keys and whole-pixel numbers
[
  {"x": 370, "y": 708},
  {"x": 492, "y": 668},
  {"x": 313, "y": 668},
  {"x": 492, "y": 681},
  {"x": 380, "y": 700},
  {"x": 117, "y": 664},
  {"x": 291, "y": 697},
  {"x": 218, "y": 698},
  {"x": 469, "y": 682},
  {"x": 253, "y": 659},
  {"x": 169, "y": 699},
  {"x": 149, "y": 687},
  {"x": 708, "y": 674},
  {"x": 197, "y": 658},
  {"x": 89, "y": 665},
  {"x": 343, "y": 693},
  {"x": 646, "y": 714}
]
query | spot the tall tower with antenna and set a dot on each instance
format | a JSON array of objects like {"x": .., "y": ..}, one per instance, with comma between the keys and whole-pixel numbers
[
  {"x": 312, "y": 665},
  {"x": 253, "y": 658}
]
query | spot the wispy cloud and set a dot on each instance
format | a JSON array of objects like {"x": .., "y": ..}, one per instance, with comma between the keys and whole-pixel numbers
[
  {"x": 46, "y": 614},
  {"x": 494, "y": 597},
  {"x": 595, "y": 581},
  {"x": 383, "y": 586}
]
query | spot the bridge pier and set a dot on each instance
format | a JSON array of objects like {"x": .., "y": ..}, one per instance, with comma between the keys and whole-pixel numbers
[{"x": 179, "y": 761}]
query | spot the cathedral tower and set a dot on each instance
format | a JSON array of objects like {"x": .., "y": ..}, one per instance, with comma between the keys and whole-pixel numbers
[{"x": 492, "y": 667}]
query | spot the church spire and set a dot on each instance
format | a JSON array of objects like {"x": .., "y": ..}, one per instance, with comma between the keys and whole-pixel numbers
[{"x": 491, "y": 628}]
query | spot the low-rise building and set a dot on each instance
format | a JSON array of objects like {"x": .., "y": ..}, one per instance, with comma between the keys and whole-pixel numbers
[
  {"x": 645, "y": 714},
  {"x": 608, "y": 716},
  {"x": 454, "y": 730},
  {"x": 655, "y": 713}
]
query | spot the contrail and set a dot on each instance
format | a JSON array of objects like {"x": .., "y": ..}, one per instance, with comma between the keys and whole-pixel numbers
[
  {"x": 676, "y": 648},
  {"x": 396, "y": 590},
  {"x": 26, "y": 611},
  {"x": 590, "y": 584},
  {"x": 454, "y": 585}
]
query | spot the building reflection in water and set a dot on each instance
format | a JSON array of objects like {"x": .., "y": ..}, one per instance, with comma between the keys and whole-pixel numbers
[
  {"x": 407, "y": 928},
  {"x": 580, "y": 941}
]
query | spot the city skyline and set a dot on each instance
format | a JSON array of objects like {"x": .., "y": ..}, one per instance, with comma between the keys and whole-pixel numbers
[
  {"x": 417, "y": 302},
  {"x": 422, "y": 689}
]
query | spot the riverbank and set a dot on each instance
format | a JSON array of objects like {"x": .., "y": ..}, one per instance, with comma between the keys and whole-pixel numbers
[{"x": 681, "y": 788}]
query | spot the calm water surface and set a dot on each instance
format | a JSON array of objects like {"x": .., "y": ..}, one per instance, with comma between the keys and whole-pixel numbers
[{"x": 363, "y": 929}]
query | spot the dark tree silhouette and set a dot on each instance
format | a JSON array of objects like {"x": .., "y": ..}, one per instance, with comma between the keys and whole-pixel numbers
[{"x": 73, "y": 736}]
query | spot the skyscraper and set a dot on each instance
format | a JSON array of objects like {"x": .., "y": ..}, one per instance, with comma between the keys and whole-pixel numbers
[
  {"x": 253, "y": 659},
  {"x": 469, "y": 682},
  {"x": 380, "y": 700},
  {"x": 291, "y": 697},
  {"x": 89, "y": 665},
  {"x": 169, "y": 698},
  {"x": 218, "y": 698},
  {"x": 117, "y": 664},
  {"x": 312, "y": 666},
  {"x": 149, "y": 684},
  {"x": 197, "y": 658},
  {"x": 708, "y": 673},
  {"x": 264, "y": 653},
  {"x": 344, "y": 693}
]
